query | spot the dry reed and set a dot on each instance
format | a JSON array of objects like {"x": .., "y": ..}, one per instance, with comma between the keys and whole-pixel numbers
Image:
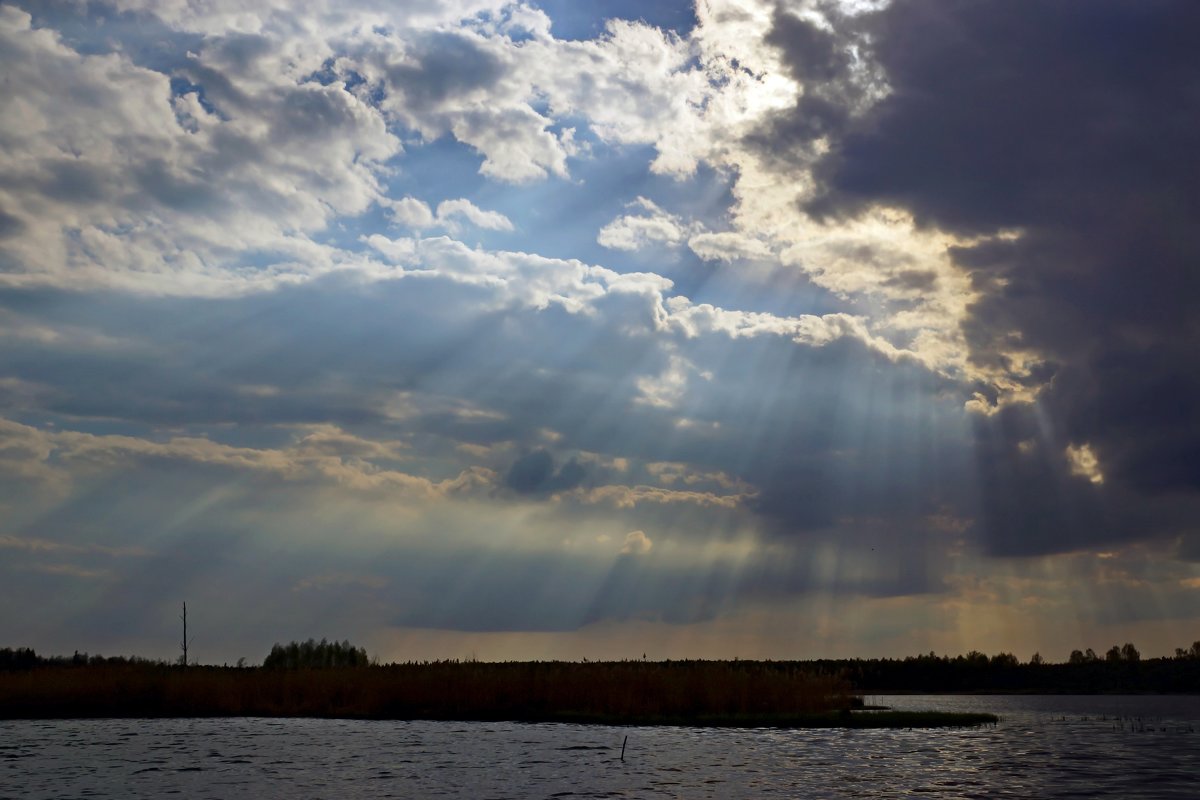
[{"x": 605, "y": 691}]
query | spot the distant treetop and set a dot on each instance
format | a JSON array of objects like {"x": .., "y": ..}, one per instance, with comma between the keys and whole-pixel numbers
[{"x": 315, "y": 655}]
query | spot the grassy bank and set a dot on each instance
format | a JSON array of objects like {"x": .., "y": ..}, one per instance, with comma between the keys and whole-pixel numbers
[{"x": 672, "y": 693}]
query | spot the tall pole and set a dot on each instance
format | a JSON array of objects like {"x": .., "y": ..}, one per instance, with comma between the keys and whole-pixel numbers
[{"x": 185, "y": 639}]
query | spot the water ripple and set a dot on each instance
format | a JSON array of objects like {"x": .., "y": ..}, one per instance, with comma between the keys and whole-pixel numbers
[{"x": 1054, "y": 747}]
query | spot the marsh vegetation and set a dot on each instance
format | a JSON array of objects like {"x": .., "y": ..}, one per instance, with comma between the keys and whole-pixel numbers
[
  {"x": 323, "y": 679},
  {"x": 335, "y": 680},
  {"x": 705, "y": 692}
]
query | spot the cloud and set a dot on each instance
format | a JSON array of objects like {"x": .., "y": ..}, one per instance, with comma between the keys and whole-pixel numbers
[
  {"x": 1083, "y": 462},
  {"x": 701, "y": 318},
  {"x": 537, "y": 473},
  {"x": 1062, "y": 205},
  {"x": 612, "y": 361},
  {"x": 318, "y": 583},
  {"x": 70, "y": 570},
  {"x": 463, "y": 83},
  {"x": 323, "y": 457},
  {"x": 52, "y": 546},
  {"x": 652, "y": 226},
  {"x": 497, "y": 347},
  {"x": 450, "y": 210},
  {"x": 635, "y": 84},
  {"x": 636, "y": 543},
  {"x": 632, "y": 496},
  {"x": 167, "y": 185},
  {"x": 410, "y": 212},
  {"x": 216, "y": 353},
  {"x": 727, "y": 246},
  {"x": 666, "y": 389}
]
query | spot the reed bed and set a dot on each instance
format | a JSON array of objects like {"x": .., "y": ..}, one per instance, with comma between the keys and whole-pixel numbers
[{"x": 701, "y": 692}]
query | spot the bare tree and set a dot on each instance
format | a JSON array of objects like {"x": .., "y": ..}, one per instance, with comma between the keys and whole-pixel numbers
[{"x": 183, "y": 659}]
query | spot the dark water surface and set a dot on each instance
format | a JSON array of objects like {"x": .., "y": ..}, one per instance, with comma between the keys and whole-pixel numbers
[{"x": 1129, "y": 747}]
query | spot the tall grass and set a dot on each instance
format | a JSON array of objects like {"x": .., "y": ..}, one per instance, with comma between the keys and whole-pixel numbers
[{"x": 631, "y": 691}]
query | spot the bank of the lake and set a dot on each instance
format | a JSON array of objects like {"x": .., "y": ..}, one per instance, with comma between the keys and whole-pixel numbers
[{"x": 695, "y": 693}]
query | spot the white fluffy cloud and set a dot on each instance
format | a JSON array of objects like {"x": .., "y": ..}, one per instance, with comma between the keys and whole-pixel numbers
[
  {"x": 529, "y": 281},
  {"x": 411, "y": 212},
  {"x": 227, "y": 182},
  {"x": 450, "y": 211},
  {"x": 727, "y": 246},
  {"x": 114, "y": 177},
  {"x": 649, "y": 225}
]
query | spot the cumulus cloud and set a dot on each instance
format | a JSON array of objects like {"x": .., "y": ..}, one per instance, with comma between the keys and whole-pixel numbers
[
  {"x": 636, "y": 543},
  {"x": 411, "y": 212},
  {"x": 462, "y": 83},
  {"x": 649, "y": 226},
  {"x": 165, "y": 185},
  {"x": 448, "y": 211},
  {"x": 636, "y": 84},
  {"x": 727, "y": 246}
]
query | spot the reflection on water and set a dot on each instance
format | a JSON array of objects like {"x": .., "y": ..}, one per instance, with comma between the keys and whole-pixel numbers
[{"x": 1044, "y": 747}]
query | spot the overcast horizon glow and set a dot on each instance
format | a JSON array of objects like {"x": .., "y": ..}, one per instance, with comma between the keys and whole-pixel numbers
[{"x": 559, "y": 330}]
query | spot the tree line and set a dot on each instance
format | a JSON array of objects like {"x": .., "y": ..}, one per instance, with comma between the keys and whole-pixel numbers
[
  {"x": 310, "y": 654},
  {"x": 1120, "y": 669},
  {"x": 26, "y": 658}
]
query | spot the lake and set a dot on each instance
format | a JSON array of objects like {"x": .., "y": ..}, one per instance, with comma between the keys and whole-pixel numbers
[{"x": 1144, "y": 747}]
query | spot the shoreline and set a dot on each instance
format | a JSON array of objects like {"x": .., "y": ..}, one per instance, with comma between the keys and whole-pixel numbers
[
  {"x": 695, "y": 694},
  {"x": 855, "y": 720},
  {"x": 1019, "y": 693}
]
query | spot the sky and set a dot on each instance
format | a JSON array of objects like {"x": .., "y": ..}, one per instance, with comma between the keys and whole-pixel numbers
[{"x": 519, "y": 330}]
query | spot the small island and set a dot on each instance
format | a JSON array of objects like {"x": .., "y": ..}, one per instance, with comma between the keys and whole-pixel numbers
[{"x": 336, "y": 680}]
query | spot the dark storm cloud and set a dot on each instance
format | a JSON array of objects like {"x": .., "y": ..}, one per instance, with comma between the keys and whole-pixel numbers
[
  {"x": 1030, "y": 503},
  {"x": 1003, "y": 116},
  {"x": 821, "y": 59},
  {"x": 1074, "y": 124}
]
